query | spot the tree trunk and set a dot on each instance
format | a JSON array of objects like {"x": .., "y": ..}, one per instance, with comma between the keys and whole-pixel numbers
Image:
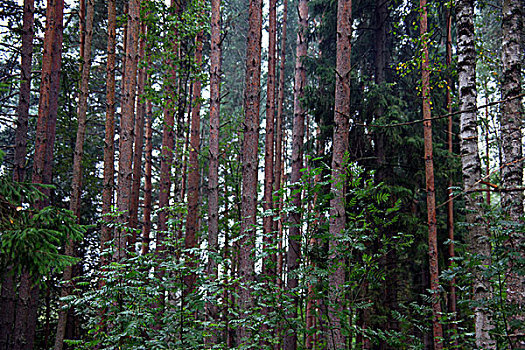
[
  {"x": 146, "y": 229},
  {"x": 126, "y": 129},
  {"x": 168, "y": 134},
  {"x": 139, "y": 142},
  {"x": 279, "y": 117},
  {"x": 249, "y": 164},
  {"x": 471, "y": 167},
  {"x": 27, "y": 302},
  {"x": 429, "y": 175},
  {"x": 8, "y": 292},
  {"x": 213, "y": 177},
  {"x": 269, "y": 266},
  {"x": 511, "y": 132},
  {"x": 450, "y": 205},
  {"x": 336, "y": 339},
  {"x": 109, "y": 138},
  {"x": 193, "y": 169},
  {"x": 19, "y": 171},
  {"x": 76, "y": 186},
  {"x": 294, "y": 241}
]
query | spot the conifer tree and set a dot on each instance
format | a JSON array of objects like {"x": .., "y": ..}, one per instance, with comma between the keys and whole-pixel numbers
[{"x": 250, "y": 163}]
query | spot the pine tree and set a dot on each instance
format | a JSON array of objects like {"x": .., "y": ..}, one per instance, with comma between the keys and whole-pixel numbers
[
  {"x": 336, "y": 339},
  {"x": 213, "y": 176},
  {"x": 193, "y": 168},
  {"x": 250, "y": 163},
  {"x": 294, "y": 235},
  {"x": 109, "y": 138},
  {"x": 430, "y": 187},
  {"x": 127, "y": 128},
  {"x": 76, "y": 187}
]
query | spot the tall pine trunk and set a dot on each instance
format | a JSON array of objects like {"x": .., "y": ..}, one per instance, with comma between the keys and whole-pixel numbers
[
  {"x": 336, "y": 339},
  {"x": 471, "y": 167},
  {"x": 450, "y": 204},
  {"x": 139, "y": 141},
  {"x": 280, "y": 107},
  {"x": 279, "y": 157},
  {"x": 27, "y": 302},
  {"x": 8, "y": 292},
  {"x": 127, "y": 129},
  {"x": 148, "y": 186},
  {"x": 76, "y": 186},
  {"x": 19, "y": 171},
  {"x": 249, "y": 164},
  {"x": 430, "y": 187},
  {"x": 213, "y": 176},
  {"x": 109, "y": 136},
  {"x": 192, "y": 220},
  {"x": 168, "y": 134},
  {"x": 269, "y": 266},
  {"x": 294, "y": 236}
]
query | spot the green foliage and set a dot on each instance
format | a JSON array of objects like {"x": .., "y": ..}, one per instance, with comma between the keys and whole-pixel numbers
[
  {"x": 31, "y": 240},
  {"x": 506, "y": 260}
]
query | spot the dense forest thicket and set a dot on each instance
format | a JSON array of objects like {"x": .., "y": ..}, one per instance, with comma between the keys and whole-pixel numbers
[{"x": 248, "y": 174}]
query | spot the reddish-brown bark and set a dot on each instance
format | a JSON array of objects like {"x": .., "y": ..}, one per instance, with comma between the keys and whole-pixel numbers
[
  {"x": 127, "y": 129},
  {"x": 450, "y": 205},
  {"x": 25, "y": 92},
  {"x": 279, "y": 116},
  {"x": 249, "y": 162},
  {"x": 109, "y": 138},
  {"x": 429, "y": 175},
  {"x": 139, "y": 142},
  {"x": 294, "y": 238},
  {"x": 336, "y": 339},
  {"x": 27, "y": 302},
  {"x": 146, "y": 229},
  {"x": 269, "y": 138},
  {"x": 168, "y": 134},
  {"x": 76, "y": 186},
  {"x": 193, "y": 167},
  {"x": 213, "y": 176},
  {"x": 8, "y": 293},
  {"x": 279, "y": 164}
]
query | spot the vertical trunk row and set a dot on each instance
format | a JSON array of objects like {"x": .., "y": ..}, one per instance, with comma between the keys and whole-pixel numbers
[
  {"x": 511, "y": 124},
  {"x": 471, "y": 166},
  {"x": 139, "y": 141},
  {"x": 250, "y": 162},
  {"x": 336, "y": 339},
  {"x": 269, "y": 139},
  {"x": 76, "y": 186},
  {"x": 192, "y": 221},
  {"x": 450, "y": 204},
  {"x": 109, "y": 138},
  {"x": 213, "y": 177},
  {"x": 27, "y": 302},
  {"x": 126, "y": 128},
  {"x": 429, "y": 175}
]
